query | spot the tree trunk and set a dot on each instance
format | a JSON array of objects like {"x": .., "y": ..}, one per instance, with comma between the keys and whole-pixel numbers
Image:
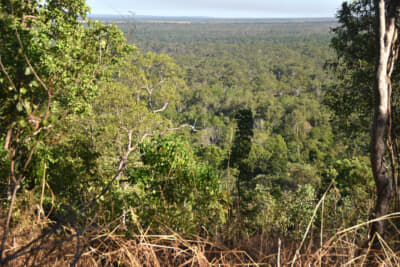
[{"x": 387, "y": 36}]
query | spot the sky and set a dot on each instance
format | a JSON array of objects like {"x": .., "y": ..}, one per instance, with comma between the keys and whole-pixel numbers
[{"x": 219, "y": 8}]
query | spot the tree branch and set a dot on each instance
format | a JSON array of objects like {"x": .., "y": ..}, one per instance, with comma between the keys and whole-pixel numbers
[{"x": 161, "y": 109}]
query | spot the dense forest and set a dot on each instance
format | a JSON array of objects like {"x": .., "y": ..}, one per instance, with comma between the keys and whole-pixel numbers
[{"x": 131, "y": 141}]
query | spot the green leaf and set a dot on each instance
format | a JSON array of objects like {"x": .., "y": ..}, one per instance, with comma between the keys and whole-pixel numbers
[
  {"x": 34, "y": 83},
  {"x": 23, "y": 123},
  {"x": 28, "y": 71},
  {"x": 20, "y": 107}
]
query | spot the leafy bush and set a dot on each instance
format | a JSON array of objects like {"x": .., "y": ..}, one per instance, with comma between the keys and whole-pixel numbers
[{"x": 173, "y": 189}]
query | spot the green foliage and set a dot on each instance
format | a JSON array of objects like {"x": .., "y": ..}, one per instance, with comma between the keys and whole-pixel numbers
[
  {"x": 242, "y": 143},
  {"x": 303, "y": 174},
  {"x": 280, "y": 213},
  {"x": 72, "y": 169},
  {"x": 157, "y": 79},
  {"x": 252, "y": 91},
  {"x": 277, "y": 154},
  {"x": 351, "y": 95},
  {"x": 277, "y": 73},
  {"x": 212, "y": 154},
  {"x": 344, "y": 210},
  {"x": 174, "y": 190},
  {"x": 297, "y": 209},
  {"x": 125, "y": 105},
  {"x": 67, "y": 57},
  {"x": 351, "y": 173},
  {"x": 51, "y": 67}
]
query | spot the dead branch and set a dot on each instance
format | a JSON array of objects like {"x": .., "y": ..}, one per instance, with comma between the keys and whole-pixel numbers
[{"x": 161, "y": 109}]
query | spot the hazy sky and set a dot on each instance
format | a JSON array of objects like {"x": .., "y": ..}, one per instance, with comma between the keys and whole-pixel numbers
[{"x": 219, "y": 8}]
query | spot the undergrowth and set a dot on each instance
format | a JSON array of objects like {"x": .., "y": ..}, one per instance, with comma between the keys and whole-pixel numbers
[{"x": 35, "y": 240}]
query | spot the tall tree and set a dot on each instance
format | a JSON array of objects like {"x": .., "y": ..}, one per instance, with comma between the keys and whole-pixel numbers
[
  {"x": 240, "y": 152},
  {"x": 386, "y": 14},
  {"x": 366, "y": 44}
]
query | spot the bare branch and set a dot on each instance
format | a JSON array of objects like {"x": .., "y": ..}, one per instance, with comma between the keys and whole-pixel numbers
[
  {"x": 124, "y": 160},
  {"x": 7, "y": 75},
  {"x": 161, "y": 109}
]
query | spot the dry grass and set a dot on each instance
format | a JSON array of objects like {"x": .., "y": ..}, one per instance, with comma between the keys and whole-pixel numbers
[
  {"x": 109, "y": 245},
  {"x": 110, "y": 248}
]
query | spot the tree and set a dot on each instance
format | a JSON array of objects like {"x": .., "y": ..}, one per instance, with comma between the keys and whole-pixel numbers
[
  {"x": 366, "y": 45},
  {"x": 351, "y": 95},
  {"x": 172, "y": 189},
  {"x": 240, "y": 152},
  {"x": 386, "y": 14},
  {"x": 50, "y": 65},
  {"x": 122, "y": 105}
]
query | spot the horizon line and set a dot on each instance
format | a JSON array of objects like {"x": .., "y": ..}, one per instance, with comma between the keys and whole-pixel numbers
[{"x": 202, "y": 17}]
